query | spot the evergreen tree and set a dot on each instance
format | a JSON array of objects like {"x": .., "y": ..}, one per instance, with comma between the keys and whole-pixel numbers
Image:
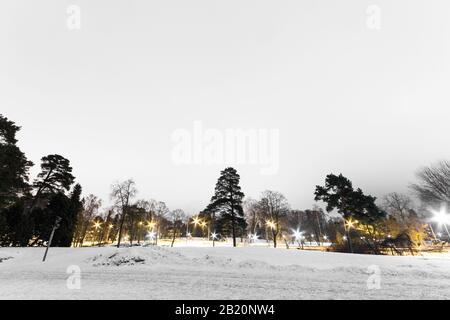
[
  {"x": 227, "y": 202},
  {"x": 14, "y": 165},
  {"x": 59, "y": 205},
  {"x": 56, "y": 175},
  {"x": 338, "y": 193}
]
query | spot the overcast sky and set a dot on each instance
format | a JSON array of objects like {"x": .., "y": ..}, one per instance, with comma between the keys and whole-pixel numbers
[{"x": 372, "y": 104}]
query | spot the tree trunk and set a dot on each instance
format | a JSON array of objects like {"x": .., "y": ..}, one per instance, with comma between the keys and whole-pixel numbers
[
  {"x": 234, "y": 234},
  {"x": 120, "y": 228},
  {"x": 274, "y": 238},
  {"x": 174, "y": 235}
]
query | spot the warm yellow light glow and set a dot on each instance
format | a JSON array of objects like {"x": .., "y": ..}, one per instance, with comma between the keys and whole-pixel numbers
[
  {"x": 350, "y": 223},
  {"x": 271, "y": 224},
  {"x": 97, "y": 225},
  {"x": 196, "y": 221}
]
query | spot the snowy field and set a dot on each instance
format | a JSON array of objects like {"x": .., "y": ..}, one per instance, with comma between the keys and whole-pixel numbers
[{"x": 218, "y": 273}]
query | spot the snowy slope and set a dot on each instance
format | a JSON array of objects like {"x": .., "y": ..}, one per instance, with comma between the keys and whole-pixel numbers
[{"x": 218, "y": 273}]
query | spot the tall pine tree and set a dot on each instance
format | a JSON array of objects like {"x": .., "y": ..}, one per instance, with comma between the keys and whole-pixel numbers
[
  {"x": 227, "y": 201},
  {"x": 14, "y": 165}
]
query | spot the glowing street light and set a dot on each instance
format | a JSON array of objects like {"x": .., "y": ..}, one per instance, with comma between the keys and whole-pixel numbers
[
  {"x": 442, "y": 218},
  {"x": 151, "y": 235},
  {"x": 271, "y": 224},
  {"x": 214, "y": 238},
  {"x": 349, "y": 224},
  {"x": 255, "y": 237},
  {"x": 196, "y": 221},
  {"x": 97, "y": 225},
  {"x": 297, "y": 234}
]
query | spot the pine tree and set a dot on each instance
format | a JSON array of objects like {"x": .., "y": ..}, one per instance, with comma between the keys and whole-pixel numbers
[
  {"x": 14, "y": 165},
  {"x": 227, "y": 202}
]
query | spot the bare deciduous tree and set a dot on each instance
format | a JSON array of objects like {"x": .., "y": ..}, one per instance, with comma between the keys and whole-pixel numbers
[
  {"x": 397, "y": 205},
  {"x": 253, "y": 214},
  {"x": 176, "y": 218},
  {"x": 274, "y": 207},
  {"x": 122, "y": 193},
  {"x": 433, "y": 187},
  {"x": 91, "y": 205}
]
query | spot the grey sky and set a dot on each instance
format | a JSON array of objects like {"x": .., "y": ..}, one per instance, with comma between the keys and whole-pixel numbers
[{"x": 371, "y": 104}]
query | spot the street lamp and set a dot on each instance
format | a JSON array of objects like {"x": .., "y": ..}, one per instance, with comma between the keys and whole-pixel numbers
[
  {"x": 97, "y": 225},
  {"x": 214, "y": 237},
  {"x": 204, "y": 225},
  {"x": 151, "y": 225},
  {"x": 298, "y": 235},
  {"x": 196, "y": 221},
  {"x": 442, "y": 218},
  {"x": 270, "y": 224},
  {"x": 139, "y": 231},
  {"x": 348, "y": 224}
]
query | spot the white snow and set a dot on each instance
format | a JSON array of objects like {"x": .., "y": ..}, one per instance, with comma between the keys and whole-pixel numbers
[{"x": 218, "y": 273}]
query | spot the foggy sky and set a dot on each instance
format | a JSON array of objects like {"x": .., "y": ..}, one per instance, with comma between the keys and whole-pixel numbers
[{"x": 371, "y": 104}]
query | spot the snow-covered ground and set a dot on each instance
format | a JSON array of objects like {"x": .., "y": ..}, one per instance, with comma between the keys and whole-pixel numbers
[{"x": 218, "y": 273}]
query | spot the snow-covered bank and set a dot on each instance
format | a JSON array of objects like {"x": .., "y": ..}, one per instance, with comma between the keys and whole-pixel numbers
[{"x": 218, "y": 273}]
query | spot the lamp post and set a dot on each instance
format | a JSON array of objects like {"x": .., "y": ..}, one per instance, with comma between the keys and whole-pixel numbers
[
  {"x": 442, "y": 217},
  {"x": 348, "y": 224},
  {"x": 195, "y": 221},
  {"x": 151, "y": 225},
  {"x": 214, "y": 237},
  {"x": 271, "y": 225},
  {"x": 139, "y": 231},
  {"x": 298, "y": 235},
  {"x": 55, "y": 226},
  {"x": 204, "y": 226},
  {"x": 97, "y": 226}
]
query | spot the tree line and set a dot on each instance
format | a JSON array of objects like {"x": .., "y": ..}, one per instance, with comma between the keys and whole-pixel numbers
[
  {"x": 351, "y": 220},
  {"x": 28, "y": 210}
]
